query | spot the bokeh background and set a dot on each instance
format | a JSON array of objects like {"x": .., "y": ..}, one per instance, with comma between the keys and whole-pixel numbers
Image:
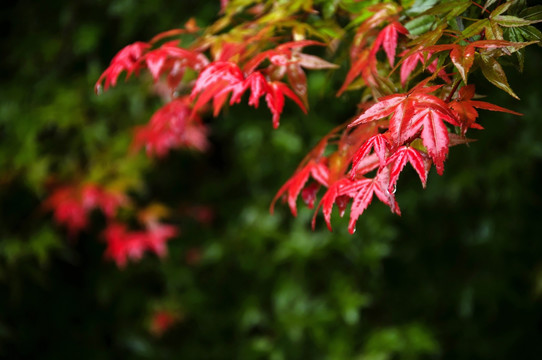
[{"x": 457, "y": 276}]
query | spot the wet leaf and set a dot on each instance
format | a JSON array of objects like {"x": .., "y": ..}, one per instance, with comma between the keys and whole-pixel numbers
[
  {"x": 495, "y": 74},
  {"x": 420, "y": 25},
  {"x": 532, "y": 13}
]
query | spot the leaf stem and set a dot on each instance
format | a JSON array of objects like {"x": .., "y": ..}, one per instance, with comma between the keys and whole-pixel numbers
[
  {"x": 454, "y": 89},
  {"x": 481, "y": 7}
]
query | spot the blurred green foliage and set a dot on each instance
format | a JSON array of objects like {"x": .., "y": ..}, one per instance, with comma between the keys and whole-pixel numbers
[{"x": 458, "y": 276}]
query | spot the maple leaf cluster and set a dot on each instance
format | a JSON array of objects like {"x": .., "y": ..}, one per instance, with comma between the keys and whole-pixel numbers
[
  {"x": 412, "y": 66},
  {"x": 71, "y": 204},
  {"x": 234, "y": 69},
  {"x": 415, "y": 127},
  {"x": 124, "y": 244}
]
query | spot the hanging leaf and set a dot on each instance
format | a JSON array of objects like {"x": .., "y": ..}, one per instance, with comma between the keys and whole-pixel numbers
[
  {"x": 495, "y": 74},
  {"x": 532, "y": 13}
]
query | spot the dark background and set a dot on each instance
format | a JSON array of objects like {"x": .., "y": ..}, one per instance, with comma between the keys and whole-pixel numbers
[{"x": 457, "y": 276}]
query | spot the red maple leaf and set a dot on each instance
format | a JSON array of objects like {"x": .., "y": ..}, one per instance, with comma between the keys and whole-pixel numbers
[
  {"x": 156, "y": 236},
  {"x": 464, "y": 108},
  {"x": 68, "y": 209},
  {"x": 308, "y": 194},
  {"x": 123, "y": 244},
  {"x": 287, "y": 59},
  {"x": 398, "y": 161},
  {"x": 108, "y": 201},
  {"x": 298, "y": 82},
  {"x": 127, "y": 59},
  {"x": 172, "y": 60},
  {"x": 288, "y": 53},
  {"x": 364, "y": 60},
  {"x": 462, "y": 56},
  {"x": 275, "y": 100},
  {"x": 410, "y": 62},
  {"x": 387, "y": 39},
  {"x": 221, "y": 78},
  {"x": 434, "y": 134},
  {"x": 172, "y": 126},
  {"x": 411, "y": 112},
  {"x": 72, "y": 203},
  {"x": 335, "y": 191},
  {"x": 362, "y": 191},
  {"x": 217, "y": 80},
  {"x": 381, "y": 12},
  {"x": 326, "y": 171},
  {"x": 377, "y": 142},
  {"x": 258, "y": 87},
  {"x": 364, "y": 165},
  {"x": 364, "y": 65},
  {"x": 317, "y": 169}
]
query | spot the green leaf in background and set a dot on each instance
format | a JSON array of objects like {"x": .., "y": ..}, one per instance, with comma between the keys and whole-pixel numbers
[
  {"x": 533, "y": 13},
  {"x": 516, "y": 35},
  {"x": 531, "y": 33},
  {"x": 495, "y": 74},
  {"x": 420, "y": 25}
]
